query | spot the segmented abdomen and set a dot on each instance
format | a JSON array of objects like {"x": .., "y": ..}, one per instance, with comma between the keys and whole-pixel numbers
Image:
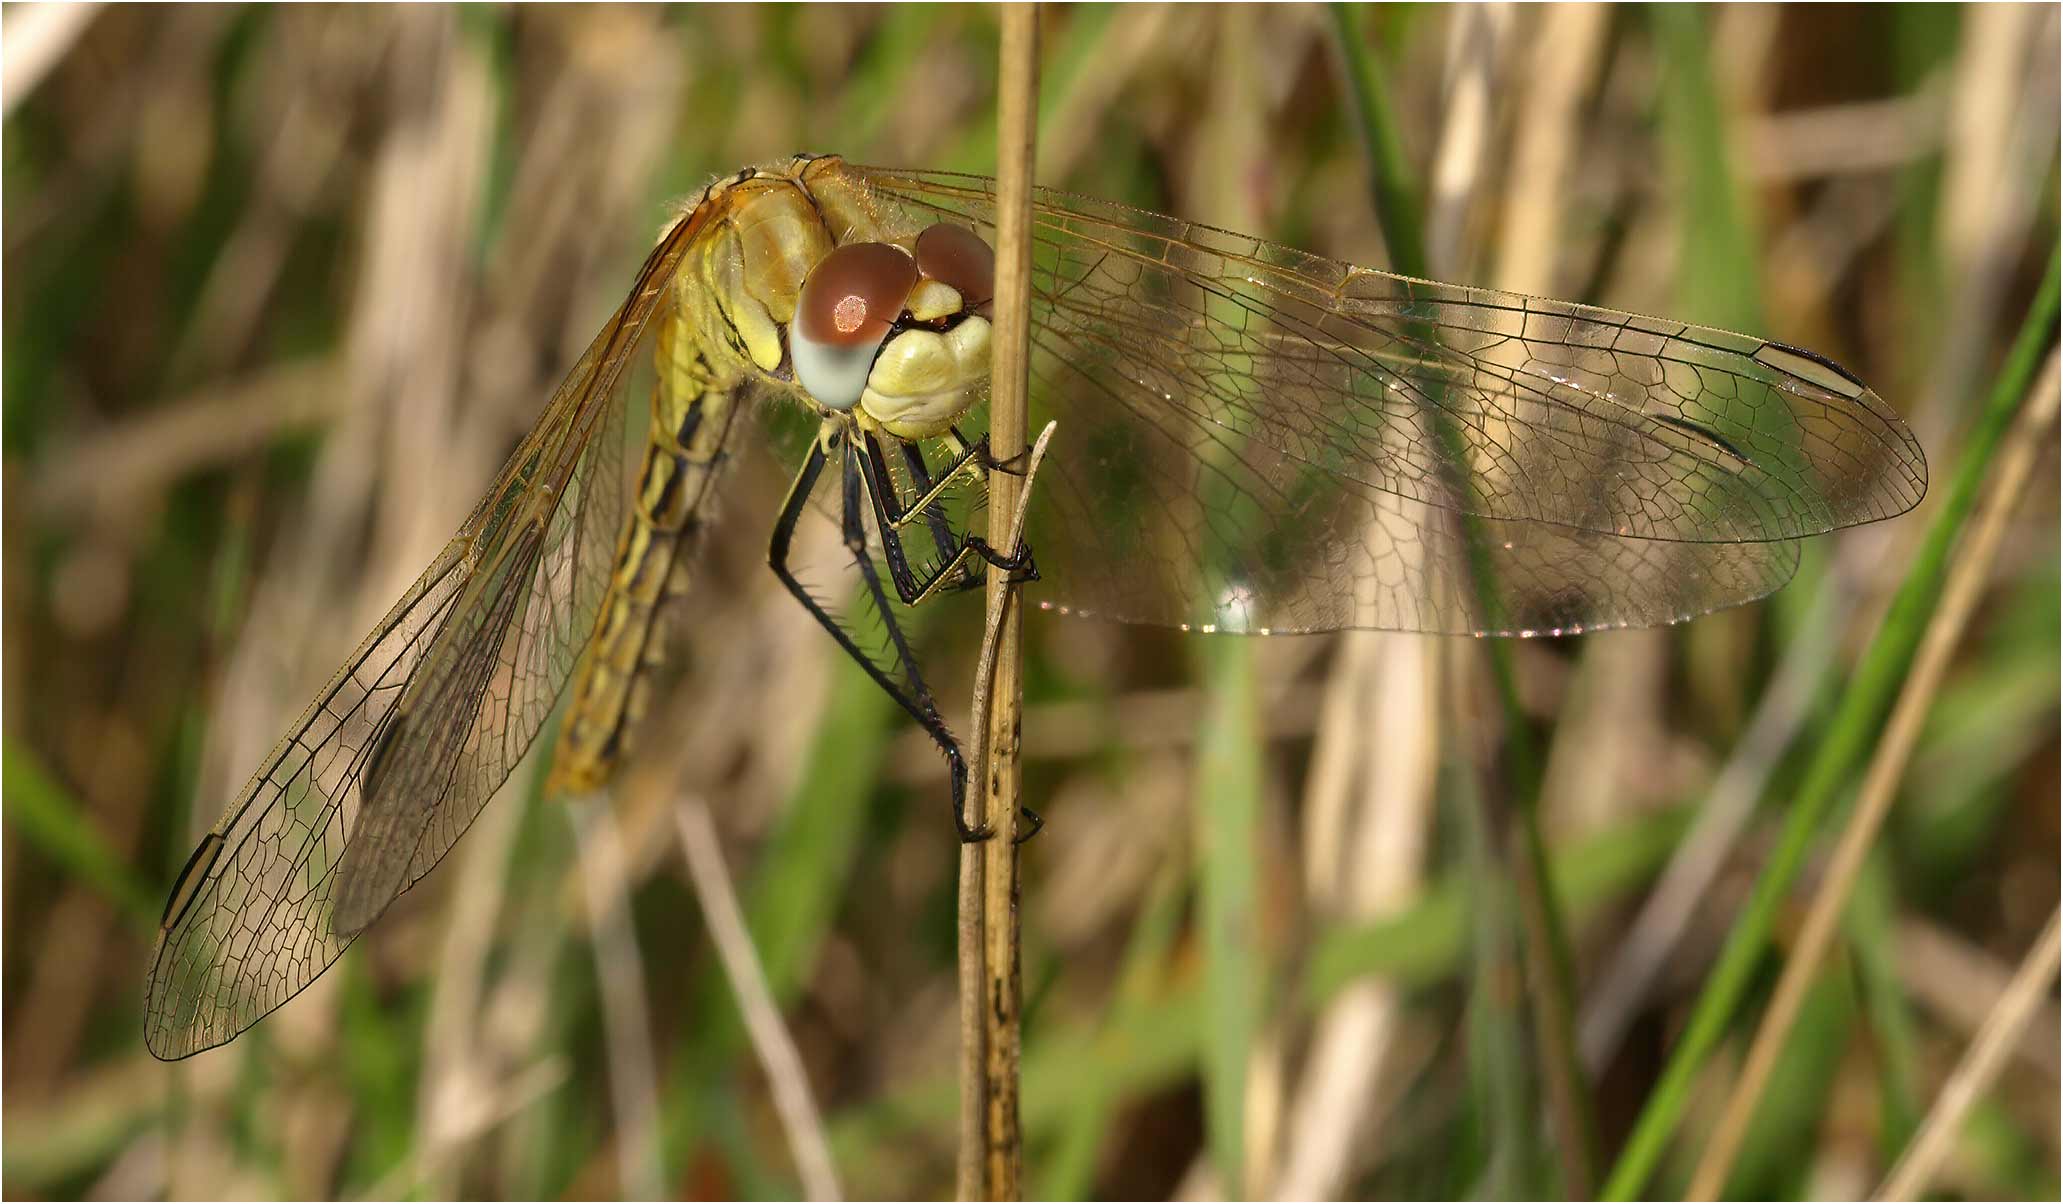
[{"x": 691, "y": 417}]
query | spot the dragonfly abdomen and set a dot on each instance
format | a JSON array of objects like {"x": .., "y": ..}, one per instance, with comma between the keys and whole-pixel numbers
[{"x": 691, "y": 415}]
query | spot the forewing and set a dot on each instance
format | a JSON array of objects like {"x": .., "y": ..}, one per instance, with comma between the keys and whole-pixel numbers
[
  {"x": 1254, "y": 437},
  {"x": 391, "y": 763}
]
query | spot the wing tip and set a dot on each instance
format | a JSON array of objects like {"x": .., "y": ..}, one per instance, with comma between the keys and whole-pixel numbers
[{"x": 357, "y": 909}]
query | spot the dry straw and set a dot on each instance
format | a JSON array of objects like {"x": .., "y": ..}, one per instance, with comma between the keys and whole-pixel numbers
[{"x": 991, "y": 1163}]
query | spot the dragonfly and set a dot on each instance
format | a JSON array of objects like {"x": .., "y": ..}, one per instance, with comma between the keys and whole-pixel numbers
[{"x": 1251, "y": 439}]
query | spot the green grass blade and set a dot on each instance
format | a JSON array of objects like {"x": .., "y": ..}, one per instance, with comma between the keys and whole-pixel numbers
[
  {"x": 1550, "y": 965},
  {"x": 1501, "y": 1150},
  {"x": 1390, "y": 176},
  {"x": 1849, "y": 735},
  {"x": 54, "y": 821},
  {"x": 1086, "y": 1104},
  {"x": 1420, "y": 946},
  {"x": 1717, "y": 278},
  {"x": 1872, "y": 933},
  {"x": 1777, "y": 1150},
  {"x": 1229, "y": 788}
]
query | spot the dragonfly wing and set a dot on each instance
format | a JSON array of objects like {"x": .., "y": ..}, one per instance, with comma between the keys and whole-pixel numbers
[
  {"x": 247, "y": 925},
  {"x": 449, "y": 748},
  {"x": 1253, "y": 436},
  {"x": 391, "y": 763}
]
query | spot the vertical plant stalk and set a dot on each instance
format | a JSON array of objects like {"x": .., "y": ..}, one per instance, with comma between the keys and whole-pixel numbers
[
  {"x": 991, "y": 1146},
  {"x": 1967, "y": 578},
  {"x": 973, "y": 1036},
  {"x": 626, "y": 1022},
  {"x": 967, "y": 1177}
]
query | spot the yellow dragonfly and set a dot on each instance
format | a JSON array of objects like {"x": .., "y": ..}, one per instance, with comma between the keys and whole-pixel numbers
[{"x": 1251, "y": 439}]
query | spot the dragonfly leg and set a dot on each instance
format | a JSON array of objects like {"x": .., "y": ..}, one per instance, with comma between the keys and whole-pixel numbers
[
  {"x": 891, "y": 516},
  {"x": 920, "y": 476},
  {"x": 968, "y": 457},
  {"x": 916, "y": 699},
  {"x": 897, "y": 512},
  {"x": 1014, "y": 466},
  {"x": 926, "y": 709},
  {"x": 872, "y": 466}
]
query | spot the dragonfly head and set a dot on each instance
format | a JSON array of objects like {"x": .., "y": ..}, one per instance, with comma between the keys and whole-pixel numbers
[
  {"x": 874, "y": 313},
  {"x": 900, "y": 332}
]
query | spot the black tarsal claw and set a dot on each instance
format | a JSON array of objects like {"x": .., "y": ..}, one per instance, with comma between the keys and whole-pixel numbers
[
  {"x": 1034, "y": 824},
  {"x": 1014, "y": 466},
  {"x": 1020, "y": 566},
  {"x": 1023, "y": 569}
]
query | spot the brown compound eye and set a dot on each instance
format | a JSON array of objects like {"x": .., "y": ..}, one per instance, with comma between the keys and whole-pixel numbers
[
  {"x": 956, "y": 256},
  {"x": 854, "y": 294},
  {"x": 847, "y": 306}
]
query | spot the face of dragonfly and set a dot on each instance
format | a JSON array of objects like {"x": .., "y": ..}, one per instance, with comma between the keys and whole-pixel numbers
[{"x": 850, "y": 304}]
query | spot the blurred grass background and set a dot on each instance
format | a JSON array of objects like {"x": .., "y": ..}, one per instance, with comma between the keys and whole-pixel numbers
[{"x": 284, "y": 285}]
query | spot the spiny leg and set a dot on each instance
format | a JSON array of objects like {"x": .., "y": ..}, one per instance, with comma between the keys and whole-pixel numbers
[
  {"x": 920, "y": 477},
  {"x": 880, "y": 486},
  {"x": 856, "y": 543},
  {"x": 934, "y": 517},
  {"x": 920, "y": 706},
  {"x": 967, "y": 458},
  {"x": 856, "y": 540},
  {"x": 891, "y": 516}
]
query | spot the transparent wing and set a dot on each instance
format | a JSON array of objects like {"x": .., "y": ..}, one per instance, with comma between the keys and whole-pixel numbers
[
  {"x": 1253, "y": 437},
  {"x": 395, "y": 758}
]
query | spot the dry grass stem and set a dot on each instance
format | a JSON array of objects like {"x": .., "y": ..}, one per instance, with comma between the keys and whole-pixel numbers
[
  {"x": 1567, "y": 41},
  {"x": 967, "y": 1173},
  {"x": 770, "y": 1038},
  {"x": 1974, "y": 1074},
  {"x": 1858, "y": 138},
  {"x": 304, "y": 158},
  {"x": 1961, "y": 983},
  {"x": 1476, "y": 48},
  {"x": 626, "y": 1023},
  {"x": 407, "y": 321},
  {"x": 989, "y": 871},
  {"x": 2000, "y": 141},
  {"x": 1967, "y": 579},
  {"x": 972, "y": 936},
  {"x": 148, "y": 454},
  {"x": 1381, "y": 793},
  {"x": 992, "y": 625}
]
